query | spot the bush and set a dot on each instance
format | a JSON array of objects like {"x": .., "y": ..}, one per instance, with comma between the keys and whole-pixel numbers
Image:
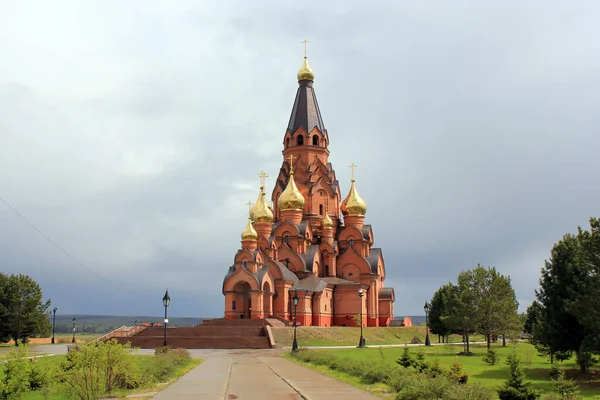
[
  {"x": 516, "y": 386},
  {"x": 456, "y": 374},
  {"x": 17, "y": 374},
  {"x": 565, "y": 388},
  {"x": 491, "y": 357},
  {"x": 406, "y": 359}
]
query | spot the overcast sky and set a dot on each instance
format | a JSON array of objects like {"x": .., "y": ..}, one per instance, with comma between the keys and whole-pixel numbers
[{"x": 132, "y": 134}]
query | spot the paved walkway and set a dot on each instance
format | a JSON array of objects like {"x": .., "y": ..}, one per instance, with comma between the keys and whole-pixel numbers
[{"x": 256, "y": 375}]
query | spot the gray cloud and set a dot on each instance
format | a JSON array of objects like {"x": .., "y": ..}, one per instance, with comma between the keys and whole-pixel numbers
[{"x": 132, "y": 135}]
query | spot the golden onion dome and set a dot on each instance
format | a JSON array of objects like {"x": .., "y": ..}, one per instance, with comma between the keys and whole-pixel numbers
[
  {"x": 305, "y": 72},
  {"x": 326, "y": 222},
  {"x": 291, "y": 198},
  {"x": 249, "y": 233},
  {"x": 353, "y": 204},
  {"x": 261, "y": 212}
]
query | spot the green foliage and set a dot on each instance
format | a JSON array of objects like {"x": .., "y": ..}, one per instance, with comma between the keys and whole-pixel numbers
[
  {"x": 456, "y": 374},
  {"x": 95, "y": 370},
  {"x": 439, "y": 310},
  {"x": 23, "y": 313},
  {"x": 516, "y": 386},
  {"x": 565, "y": 388},
  {"x": 491, "y": 357},
  {"x": 431, "y": 383},
  {"x": 17, "y": 372},
  {"x": 406, "y": 359},
  {"x": 565, "y": 322}
]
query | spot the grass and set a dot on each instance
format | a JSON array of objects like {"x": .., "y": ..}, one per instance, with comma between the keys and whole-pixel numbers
[
  {"x": 346, "y": 336},
  {"x": 536, "y": 367},
  {"x": 56, "y": 392}
]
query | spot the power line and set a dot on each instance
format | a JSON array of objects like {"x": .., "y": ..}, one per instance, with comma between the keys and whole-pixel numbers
[{"x": 52, "y": 241}]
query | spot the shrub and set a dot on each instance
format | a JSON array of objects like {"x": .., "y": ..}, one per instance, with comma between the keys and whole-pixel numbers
[
  {"x": 405, "y": 359},
  {"x": 565, "y": 388},
  {"x": 516, "y": 386},
  {"x": 17, "y": 373},
  {"x": 456, "y": 374},
  {"x": 491, "y": 357}
]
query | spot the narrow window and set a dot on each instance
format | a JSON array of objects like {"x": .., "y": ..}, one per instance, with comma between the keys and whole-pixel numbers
[
  {"x": 287, "y": 239},
  {"x": 287, "y": 143},
  {"x": 300, "y": 140},
  {"x": 327, "y": 270},
  {"x": 315, "y": 140},
  {"x": 320, "y": 209},
  {"x": 233, "y": 305},
  {"x": 351, "y": 242}
]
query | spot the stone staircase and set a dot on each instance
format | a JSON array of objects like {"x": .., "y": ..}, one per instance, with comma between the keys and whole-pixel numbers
[
  {"x": 277, "y": 322},
  {"x": 211, "y": 334}
]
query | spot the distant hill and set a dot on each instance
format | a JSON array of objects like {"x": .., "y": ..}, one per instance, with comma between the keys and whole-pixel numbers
[{"x": 105, "y": 323}]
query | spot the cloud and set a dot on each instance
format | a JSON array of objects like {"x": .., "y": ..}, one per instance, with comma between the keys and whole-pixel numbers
[{"x": 132, "y": 135}]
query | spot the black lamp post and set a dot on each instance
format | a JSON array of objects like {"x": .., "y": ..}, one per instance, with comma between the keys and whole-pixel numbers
[
  {"x": 361, "y": 342},
  {"x": 426, "y": 308},
  {"x": 53, "y": 323},
  {"x": 295, "y": 342},
  {"x": 19, "y": 321},
  {"x": 166, "y": 301},
  {"x": 73, "y": 341}
]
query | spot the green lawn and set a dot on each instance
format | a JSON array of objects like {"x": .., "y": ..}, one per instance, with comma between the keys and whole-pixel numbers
[
  {"x": 346, "y": 336},
  {"x": 489, "y": 376}
]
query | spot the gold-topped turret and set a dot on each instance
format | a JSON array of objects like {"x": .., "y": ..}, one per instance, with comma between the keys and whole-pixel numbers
[
  {"x": 249, "y": 233},
  {"x": 305, "y": 72},
  {"x": 261, "y": 212},
  {"x": 326, "y": 222},
  {"x": 353, "y": 204},
  {"x": 291, "y": 198}
]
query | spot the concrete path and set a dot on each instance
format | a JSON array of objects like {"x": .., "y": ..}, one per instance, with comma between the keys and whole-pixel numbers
[{"x": 256, "y": 375}]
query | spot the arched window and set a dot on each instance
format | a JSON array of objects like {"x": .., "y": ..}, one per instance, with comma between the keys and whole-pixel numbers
[
  {"x": 315, "y": 140},
  {"x": 287, "y": 239},
  {"x": 320, "y": 209},
  {"x": 287, "y": 143},
  {"x": 351, "y": 242},
  {"x": 327, "y": 270},
  {"x": 300, "y": 140}
]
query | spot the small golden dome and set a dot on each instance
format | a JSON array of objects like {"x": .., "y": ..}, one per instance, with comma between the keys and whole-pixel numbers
[
  {"x": 291, "y": 198},
  {"x": 261, "y": 212},
  {"x": 353, "y": 204},
  {"x": 249, "y": 233},
  {"x": 306, "y": 73},
  {"x": 326, "y": 222}
]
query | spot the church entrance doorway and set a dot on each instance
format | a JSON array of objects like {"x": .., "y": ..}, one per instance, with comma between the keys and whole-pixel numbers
[{"x": 242, "y": 299}]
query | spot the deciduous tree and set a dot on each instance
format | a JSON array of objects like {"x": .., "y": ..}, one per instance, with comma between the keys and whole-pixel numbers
[{"x": 23, "y": 312}]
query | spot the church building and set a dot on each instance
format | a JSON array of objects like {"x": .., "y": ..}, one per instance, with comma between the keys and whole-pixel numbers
[{"x": 299, "y": 259}]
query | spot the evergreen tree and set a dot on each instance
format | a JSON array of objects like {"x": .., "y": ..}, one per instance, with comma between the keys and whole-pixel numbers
[
  {"x": 565, "y": 388},
  {"x": 460, "y": 315},
  {"x": 557, "y": 331},
  {"x": 516, "y": 386},
  {"x": 438, "y": 309}
]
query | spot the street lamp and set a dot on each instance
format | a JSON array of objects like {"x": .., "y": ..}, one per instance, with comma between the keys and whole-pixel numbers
[
  {"x": 135, "y": 322},
  {"x": 295, "y": 301},
  {"x": 73, "y": 341},
  {"x": 361, "y": 342},
  {"x": 426, "y": 308},
  {"x": 19, "y": 321},
  {"x": 166, "y": 301},
  {"x": 53, "y": 323}
]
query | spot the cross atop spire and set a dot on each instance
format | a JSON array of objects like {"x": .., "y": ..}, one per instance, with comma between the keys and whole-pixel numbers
[
  {"x": 305, "y": 42},
  {"x": 249, "y": 204},
  {"x": 353, "y": 166},
  {"x": 263, "y": 176},
  {"x": 291, "y": 157}
]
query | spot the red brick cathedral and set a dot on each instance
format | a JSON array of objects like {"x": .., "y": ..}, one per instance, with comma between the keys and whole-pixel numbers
[{"x": 300, "y": 247}]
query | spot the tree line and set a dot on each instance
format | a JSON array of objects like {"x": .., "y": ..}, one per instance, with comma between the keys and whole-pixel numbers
[
  {"x": 565, "y": 317},
  {"x": 23, "y": 311},
  {"x": 482, "y": 301}
]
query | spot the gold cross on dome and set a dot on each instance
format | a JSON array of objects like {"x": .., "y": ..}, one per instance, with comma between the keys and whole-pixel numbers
[
  {"x": 249, "y": 204},
  {"x": 263, "y": 176},
  {"x": 292, "y": 162},
  {"x": 353, "y": 166},
  {"x": 305, "y": 42}
]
